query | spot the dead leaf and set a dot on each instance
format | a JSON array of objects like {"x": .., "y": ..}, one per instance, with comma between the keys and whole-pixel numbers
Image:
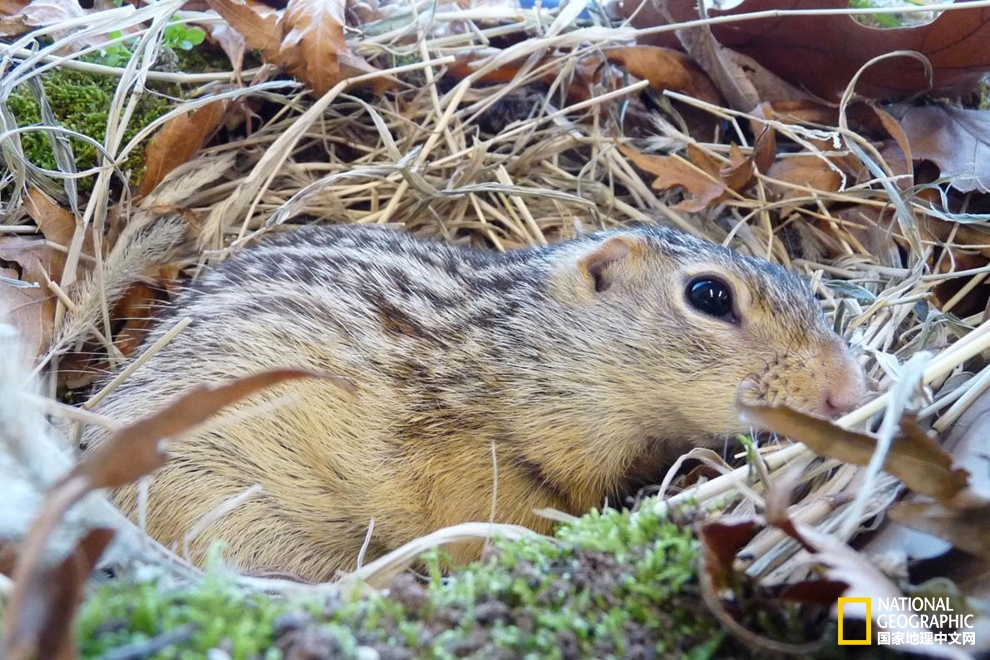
[
  {"x": 135, "y": 308},
  {"x": 823, "y": 53},
  {"x": 256, "y": 22},
  {"x": 721, "y": 540},
  {"x": 30, "y": 308},
  {"x": 964, "y": 522},
  {"x": 306, "y": 39},
  {"x": 56, "y": 223},
  {"x": 38, "y": 621},
  {"x": 955, "y": 139},
  {"x": 707, "y": 179},
  {"x": 231, "y": 42},
  {"x": 673, "y": 171},
  {"x": 804, "y": 170},
  {"x": 43, "y": 13},
  {"x": 665, "y": 68},
  {"x": 12, "y": 7},
  {"x": 178, "y": 140},
  {"x": 128, "y": 454},
  {"x": 313, "y": 40},
  {"x": 914, "y": 458}
]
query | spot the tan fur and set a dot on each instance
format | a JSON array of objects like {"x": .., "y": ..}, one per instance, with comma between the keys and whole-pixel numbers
[{"x": 580, "y": 365}]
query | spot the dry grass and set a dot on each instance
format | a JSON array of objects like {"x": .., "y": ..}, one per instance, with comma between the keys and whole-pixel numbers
[{"x": 427, "y": 157}]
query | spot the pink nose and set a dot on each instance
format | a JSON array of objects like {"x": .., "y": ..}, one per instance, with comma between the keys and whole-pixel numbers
[
  {"x": 845, "y": 391},
  {"x": 838, "y": 401}
]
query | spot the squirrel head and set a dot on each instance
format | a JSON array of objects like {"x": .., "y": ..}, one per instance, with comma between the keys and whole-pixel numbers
[{"x": 697, "y": 325}]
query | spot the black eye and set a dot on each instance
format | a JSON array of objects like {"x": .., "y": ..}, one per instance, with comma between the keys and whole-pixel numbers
[{"x": 711, "y": 297}]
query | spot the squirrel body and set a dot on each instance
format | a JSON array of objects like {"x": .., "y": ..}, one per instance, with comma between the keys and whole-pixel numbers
[{"x": 575, "y": 372}]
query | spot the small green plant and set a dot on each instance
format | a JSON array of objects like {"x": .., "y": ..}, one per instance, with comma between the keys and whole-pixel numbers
[
  {"x": 115, "y": 55},
  {"x": 179, "y": 37}
]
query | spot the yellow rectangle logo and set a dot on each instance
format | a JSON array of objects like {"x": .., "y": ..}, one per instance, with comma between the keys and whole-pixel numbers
[{"x": 869, "y": 623}]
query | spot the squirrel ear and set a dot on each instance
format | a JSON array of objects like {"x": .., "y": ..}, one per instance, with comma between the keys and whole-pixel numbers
[{"x": 600, "y": 265}]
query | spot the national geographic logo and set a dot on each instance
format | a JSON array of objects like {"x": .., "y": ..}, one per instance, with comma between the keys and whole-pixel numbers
[
  {"x": 865, "y": 602},
  {"x": 910, "y": 621}
]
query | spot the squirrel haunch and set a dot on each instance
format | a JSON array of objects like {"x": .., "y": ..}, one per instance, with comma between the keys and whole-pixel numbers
[{"x": 582, "y": 369}]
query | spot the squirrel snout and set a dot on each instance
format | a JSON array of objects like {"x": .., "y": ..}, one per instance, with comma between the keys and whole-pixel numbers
[{"x": 844, "y": 391}]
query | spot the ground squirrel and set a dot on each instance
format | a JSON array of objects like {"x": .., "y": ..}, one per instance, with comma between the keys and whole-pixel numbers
[{"x": 585, "y": 367}]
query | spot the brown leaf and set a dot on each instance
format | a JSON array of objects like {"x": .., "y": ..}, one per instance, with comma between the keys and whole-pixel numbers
[
  {"x": 674, "y": 171},
  {"x": 741, "y": 80},
  {"x": 178, "y": 140},
  {"x": 721, "y": 540},
  {"x": 955, "y": 139},
  {"x": 707, "y": 179},
  {"x": 30, "y": 309},
  {"x": 823, "y": 53},
  {"x": 352, "y": 66},
  {"x": 804, "y": 170},
  {"x": 256, "y": 22},
  {"x": 38, "y": 621},
  {"x": 313, "y": 41},
  {"x": 738, "y": 173},
  {"x": 134, "y": 451},
  {"x": 914, "y": 457},
  {"x": 665, "y": 68},
  {"x": 56, "y": 223},
  {"x": 964, "y": 522}
]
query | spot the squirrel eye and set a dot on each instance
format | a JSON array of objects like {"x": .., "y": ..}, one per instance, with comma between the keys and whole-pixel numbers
[{"x": 711, "y": 297}]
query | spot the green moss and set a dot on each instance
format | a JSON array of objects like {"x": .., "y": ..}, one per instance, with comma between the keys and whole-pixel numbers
[
  {"x": 605, "y": 586},
  {"x": 81, "y": 103},
  {"x": 609, "y": 586},
  {"x": 213, "y": 614}
]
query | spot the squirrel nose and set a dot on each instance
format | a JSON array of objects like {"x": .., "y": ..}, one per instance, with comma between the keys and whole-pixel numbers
[
  {"x": 844, "y": 395},
  {"x": 835, "y": 403}
]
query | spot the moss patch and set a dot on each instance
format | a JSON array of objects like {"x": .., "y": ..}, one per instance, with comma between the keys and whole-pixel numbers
[
  {"x": 608, "y": 586},
  {"x": 605, "y": 587},
  {"x": 81, "y": 102}
]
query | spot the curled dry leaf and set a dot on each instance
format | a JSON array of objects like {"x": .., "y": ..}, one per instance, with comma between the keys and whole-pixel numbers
[
  {"x": 914, "y": 458},
  {"x": 231, "y": 42},
  {"x": 721, "y": 540},
  {"x": 39, "y": 618},
  {"x": 21, "y": 17},
  {"x": 803, "y": 171},
  {"x": 134, "y": 451},
  {"x": 306, "y": 39},
  {"x": 128, "y": 454}
]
